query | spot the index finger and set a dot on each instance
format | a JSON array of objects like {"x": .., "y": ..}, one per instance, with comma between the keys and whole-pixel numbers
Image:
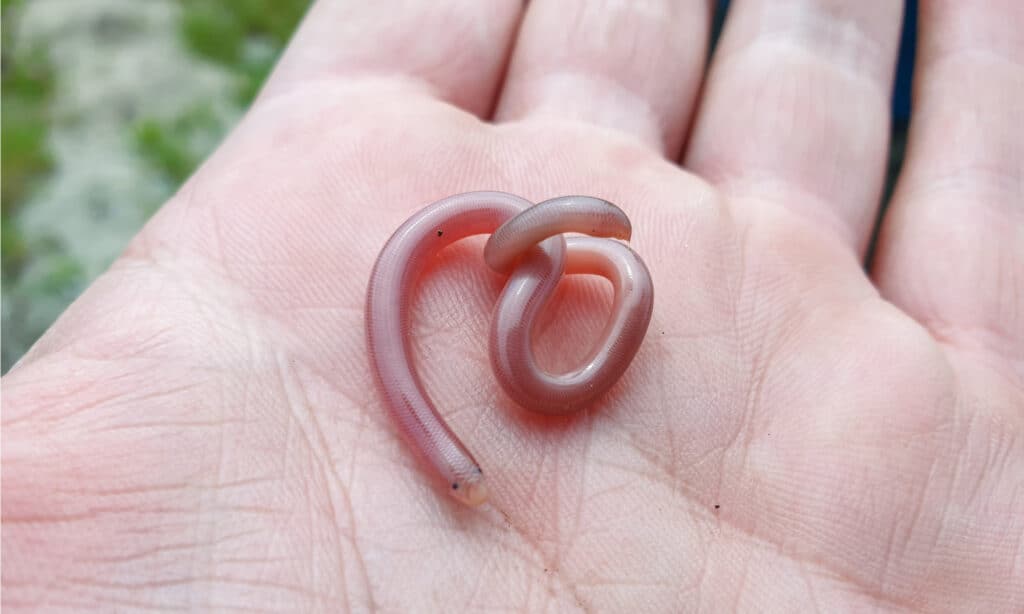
[{"x": 454, "y": 49}]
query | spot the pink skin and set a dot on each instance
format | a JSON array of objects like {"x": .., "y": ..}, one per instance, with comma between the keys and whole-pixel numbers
[{"x": 526, "y": 241}]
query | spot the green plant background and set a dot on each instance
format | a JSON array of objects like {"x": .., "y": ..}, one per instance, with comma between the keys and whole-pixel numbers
[{"x": 42, "y": 272}]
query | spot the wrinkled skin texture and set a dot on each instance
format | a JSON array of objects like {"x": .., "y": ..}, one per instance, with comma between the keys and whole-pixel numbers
[{"x": 200, "y": 429}]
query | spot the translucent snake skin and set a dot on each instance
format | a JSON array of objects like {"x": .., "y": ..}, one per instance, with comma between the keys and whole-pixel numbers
[{"x": 526, "y": 243}]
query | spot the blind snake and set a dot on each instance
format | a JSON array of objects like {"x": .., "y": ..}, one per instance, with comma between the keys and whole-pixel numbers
[{"x": 527, "y": 243}]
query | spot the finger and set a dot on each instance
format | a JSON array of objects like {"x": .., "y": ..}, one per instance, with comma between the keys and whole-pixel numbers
[
  {"x": 951, "y": 251},
  {"x": 796, "y": 109},
  {"x": 456, "y": 49},
  {"x": 634, "y": 67}
]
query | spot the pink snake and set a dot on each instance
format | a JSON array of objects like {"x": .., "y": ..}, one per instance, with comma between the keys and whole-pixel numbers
[{"x": 527, "y": 244}]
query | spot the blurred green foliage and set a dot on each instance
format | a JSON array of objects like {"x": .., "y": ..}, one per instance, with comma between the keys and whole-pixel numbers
[
  {"x": 223, "y": 32},
  {"x": 26, "y": 89},
  {"x": 39, "y": 276},
  {"x": 228, "y": 32},
  {"x": 169, "y": 145},
  {"x": 243, "y": 36},
  {"x": 26, "y": 86}
]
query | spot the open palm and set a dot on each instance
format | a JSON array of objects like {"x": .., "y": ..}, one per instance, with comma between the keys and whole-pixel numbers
[{"x": 201, "y": 429}]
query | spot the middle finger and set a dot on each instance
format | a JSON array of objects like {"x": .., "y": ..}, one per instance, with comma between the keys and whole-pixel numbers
[{"x": 634, "y": 67}]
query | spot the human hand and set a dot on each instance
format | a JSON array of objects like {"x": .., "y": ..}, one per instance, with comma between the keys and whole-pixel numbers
[{"x": 200, "y": 429}]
